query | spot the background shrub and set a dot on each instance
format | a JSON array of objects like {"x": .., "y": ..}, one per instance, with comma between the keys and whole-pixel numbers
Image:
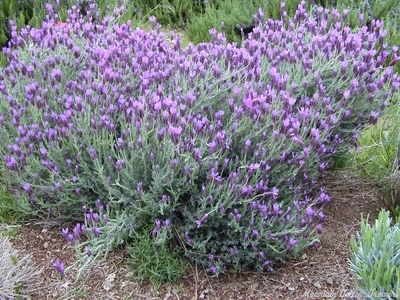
[
  {"x": 173, "y": 13},
  {"x": 215, "y": 147},
  {"x": 234, "y": 15},
  {"x": 377, "y": 156},
  {"x": 196, "y": 17},
  {"x": 376, "y": 259},
  {"x": 26, "y": 12}
]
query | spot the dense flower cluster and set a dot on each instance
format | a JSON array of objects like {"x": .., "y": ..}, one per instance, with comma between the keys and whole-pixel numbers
[{"x": 217, "y": 146}]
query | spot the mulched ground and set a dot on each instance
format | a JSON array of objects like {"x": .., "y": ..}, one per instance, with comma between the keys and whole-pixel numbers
[{"x": 320, "y": 273}]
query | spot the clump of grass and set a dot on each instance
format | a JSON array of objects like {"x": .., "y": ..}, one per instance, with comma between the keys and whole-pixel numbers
[
  {"x": 11, "y": 210},
  {"x": 154, "y": 262}
]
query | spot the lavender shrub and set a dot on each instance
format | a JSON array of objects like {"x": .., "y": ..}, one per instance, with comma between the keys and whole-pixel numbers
[{"x": 216, "y": 147}]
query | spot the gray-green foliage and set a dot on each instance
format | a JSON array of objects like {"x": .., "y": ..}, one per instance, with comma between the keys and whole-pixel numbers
[
  {"x": 376, "y": 258},
  {"x": 18, "y": 275}
]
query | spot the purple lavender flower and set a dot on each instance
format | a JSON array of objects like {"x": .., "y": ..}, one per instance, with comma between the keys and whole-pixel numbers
[
  {"x": 323, "y": 198},
  {"x": 247, "y": 191},
  {"x": 88, "y": 251},
  {"x": 166, "y": 224},
  {"x": 96, "y": 231},
  {"x": 59, "y": 267},
  {"x": 153, "y": 22},
  {"x": 319, "y": 228},
  {"x": 160, "y": 133},
  {"x": 237, "y": 215},
  {"x": 93, "y": 154},
  {"x": 315, "y": 134},
  {"x": 43, "y": 152},
  {"x": 139, "y": 188},
  {"x": 276, "y": 209},
  {"x": 154, "y": 232},
  {"x": 11, "y": 163},
  {"x": 165, "y": 199},
  {"x": 213, "y": 269},
  {"x": 310, "y": 212},
  {"x": 27, "y": 188},
  {"x": 120, "y": 164},
  {"x": 174, "y": 131},
  {"x": 254, "y": 166},
  {"x": 200, "y": 221},
  {"x": 292, "y": 242},
  {"x": 58, "y": 186},
  {"x": 373, "y": 117},
  {"x": 83, "y": 229},
  {"x": 105, "y": 218},
  {"x": 77, "y": 230},
  {"x": 95, "y": 217},
  {"x": 65, "y": 232},
  {"x": 188, "y": 240},
  {"x": 255, "y": 234},
  {"x": 120, "y": 144},
  {"x": 70, "y": 238}
]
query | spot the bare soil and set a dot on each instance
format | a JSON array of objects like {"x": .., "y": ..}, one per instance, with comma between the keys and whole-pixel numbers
[{"x": 320, "y": 273}]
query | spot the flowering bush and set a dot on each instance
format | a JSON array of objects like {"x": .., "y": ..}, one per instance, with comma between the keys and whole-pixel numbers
[
  {"x": 215, "y": 147},
  {"x": 376, "y": 259}
]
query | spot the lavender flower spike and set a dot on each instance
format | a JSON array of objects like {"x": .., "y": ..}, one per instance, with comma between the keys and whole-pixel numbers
[{"x": 59, "y": 267}]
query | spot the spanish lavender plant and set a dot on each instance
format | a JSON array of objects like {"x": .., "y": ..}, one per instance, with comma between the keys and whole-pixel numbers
[{"x": 215, "y": 146}]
